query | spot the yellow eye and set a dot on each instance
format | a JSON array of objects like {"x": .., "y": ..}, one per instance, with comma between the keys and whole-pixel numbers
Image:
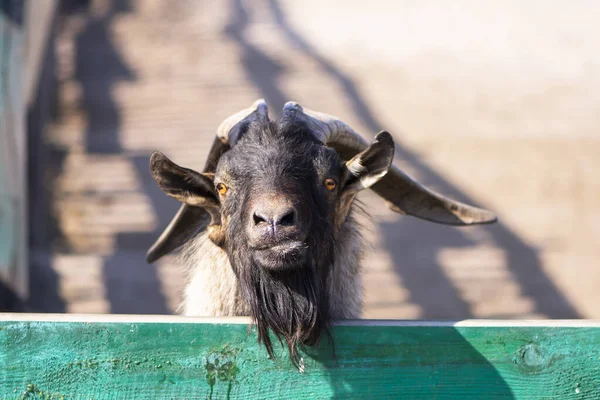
[
  {"x": 221, "y": 188},
  {"x": 330, "y": 184}
]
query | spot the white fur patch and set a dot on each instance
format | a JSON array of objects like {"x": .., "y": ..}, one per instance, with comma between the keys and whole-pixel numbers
[{"x": 213, "y": 288}]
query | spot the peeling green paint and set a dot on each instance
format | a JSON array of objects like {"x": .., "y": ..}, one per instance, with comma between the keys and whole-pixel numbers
[
  {"x": 221, "y": 366},
  {"x": 32, "y": 392}
]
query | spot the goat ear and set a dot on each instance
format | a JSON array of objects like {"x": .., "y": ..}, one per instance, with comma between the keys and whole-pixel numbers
[
  {"x": 370, "y": 165},
  {"x": 183, "y": 184}
]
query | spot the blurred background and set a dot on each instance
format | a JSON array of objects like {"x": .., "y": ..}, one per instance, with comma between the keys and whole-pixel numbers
[{"x": 494, "y": 104}]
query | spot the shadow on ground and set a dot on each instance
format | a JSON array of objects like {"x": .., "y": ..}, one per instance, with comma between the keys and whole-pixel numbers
[
  {"x": 132, "y": 286},
  {"x": 420, "y": 271},
  {"x": 44, "y": 163}
]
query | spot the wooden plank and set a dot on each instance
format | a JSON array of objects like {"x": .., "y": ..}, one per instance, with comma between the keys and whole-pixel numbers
[
  {"x": 13, "y": 264},
  {"x": 164, "y": 318},
  {"x": 174, "y": 358},
  {"x": 39, "y": 18}
]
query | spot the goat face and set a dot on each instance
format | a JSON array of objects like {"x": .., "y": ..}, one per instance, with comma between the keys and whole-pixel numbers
[
  {"x": 276, "y": 206},
  {"x": 277, "y": 200},
  {"x": 282, "y": 194},
  {"x": 277, "y": 194}
]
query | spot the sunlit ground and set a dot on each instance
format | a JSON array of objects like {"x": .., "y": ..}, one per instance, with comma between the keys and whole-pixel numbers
[{"x": 494, "y": 105}]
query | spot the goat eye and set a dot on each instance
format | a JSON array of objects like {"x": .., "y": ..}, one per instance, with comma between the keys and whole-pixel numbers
[
  {"x": 221, "y": 188},
  {"x": 330, "y": 184}
]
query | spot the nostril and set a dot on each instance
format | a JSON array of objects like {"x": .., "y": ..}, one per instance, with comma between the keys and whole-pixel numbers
[
  {"x": 274, "y": 217},
  {"x": 288, "y": 219},
  {"x": 258, "y": 219}
]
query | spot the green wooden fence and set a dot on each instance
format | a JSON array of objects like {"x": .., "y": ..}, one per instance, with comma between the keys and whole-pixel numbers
[
  {"x": 13, "y": 275},
  {"x": 134, "y": 357},
  {"x": 25, "y": 39}
]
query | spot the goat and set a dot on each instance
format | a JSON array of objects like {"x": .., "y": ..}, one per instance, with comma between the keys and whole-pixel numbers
[{"x": 269, "y": 225}]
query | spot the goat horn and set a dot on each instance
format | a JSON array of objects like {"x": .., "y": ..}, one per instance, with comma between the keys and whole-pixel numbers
[
  {"x": 190, "y": 220},
  {"x": 232, "y": 127},
  {"x": 402, "y": 193}
]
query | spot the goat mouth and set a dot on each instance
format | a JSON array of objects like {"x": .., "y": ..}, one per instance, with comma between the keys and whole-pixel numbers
[{"x": 281, "y": 256}]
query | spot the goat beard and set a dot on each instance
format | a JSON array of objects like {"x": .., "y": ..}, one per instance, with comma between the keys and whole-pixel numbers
[{"x": 292, "y": 303}]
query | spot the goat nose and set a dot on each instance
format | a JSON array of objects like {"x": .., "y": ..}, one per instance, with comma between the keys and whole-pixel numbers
[{"x": 275, "y": 216}]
